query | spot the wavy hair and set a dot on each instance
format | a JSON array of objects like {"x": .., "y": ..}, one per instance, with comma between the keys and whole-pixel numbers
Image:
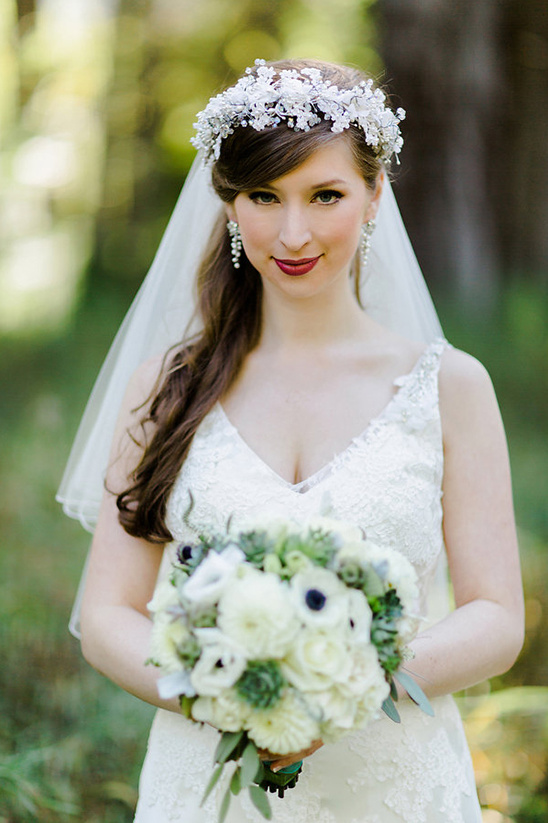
[{"x": 199, "y": 373}]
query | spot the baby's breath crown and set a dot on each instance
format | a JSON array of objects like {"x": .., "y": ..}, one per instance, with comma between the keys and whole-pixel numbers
[{"x": 264, "y": 97}]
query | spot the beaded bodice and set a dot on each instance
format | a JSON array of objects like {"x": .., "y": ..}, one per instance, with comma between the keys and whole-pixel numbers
[{"x": 387, "y": 480}]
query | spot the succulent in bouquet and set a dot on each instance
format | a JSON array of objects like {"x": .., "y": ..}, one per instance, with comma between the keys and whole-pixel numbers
[{"x": 280, "y": 634}]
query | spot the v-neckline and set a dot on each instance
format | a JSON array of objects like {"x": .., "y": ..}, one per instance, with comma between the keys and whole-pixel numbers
[{"x": 316, "y": 477}]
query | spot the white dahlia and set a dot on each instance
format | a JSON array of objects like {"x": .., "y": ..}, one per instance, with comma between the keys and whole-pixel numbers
[
  {"x": 256, "y": 612},
  {"x": 226, "y": 712},
  {"x": 288, "y": 727}
]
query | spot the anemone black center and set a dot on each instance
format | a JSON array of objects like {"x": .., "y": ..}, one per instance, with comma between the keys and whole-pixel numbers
[{"x": 315, "y": 600}]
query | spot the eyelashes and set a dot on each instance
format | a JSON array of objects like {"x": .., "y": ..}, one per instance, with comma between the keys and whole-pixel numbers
[{"x": 326, "y": 197}]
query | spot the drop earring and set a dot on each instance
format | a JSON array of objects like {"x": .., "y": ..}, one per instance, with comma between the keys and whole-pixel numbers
[
  {"x": 235, "y": 242},
  {"x": 365, "y": 241}
]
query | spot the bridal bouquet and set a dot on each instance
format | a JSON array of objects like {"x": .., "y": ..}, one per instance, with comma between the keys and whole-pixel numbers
[{"x": 280, "y": 634}]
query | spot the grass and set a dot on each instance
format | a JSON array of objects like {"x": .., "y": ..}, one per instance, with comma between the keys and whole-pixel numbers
[{"x": 71, "y": 743}]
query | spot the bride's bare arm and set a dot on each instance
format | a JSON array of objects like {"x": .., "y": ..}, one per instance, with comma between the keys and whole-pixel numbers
[
  {"x": 484, "y": 635},
  {"x": 122, "y": 571}
]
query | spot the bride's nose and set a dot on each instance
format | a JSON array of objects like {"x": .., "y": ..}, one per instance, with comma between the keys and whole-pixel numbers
[{"x": 294, "y": 231}]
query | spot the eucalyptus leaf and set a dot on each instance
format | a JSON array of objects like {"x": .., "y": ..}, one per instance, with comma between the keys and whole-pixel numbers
[
  {"x": 415, "y": 692},
  {"x": 236, "y": 781},
  {"x": 260, "y": 801},
  {"x": 212, "y": 782},
  {"x": 227, "y": 744},
  {"x": 250, "y": 764},
  {"x": 393, "y": 691},
  {"x": 223, "y": 811},
  {"x": 389, "y": 708}
]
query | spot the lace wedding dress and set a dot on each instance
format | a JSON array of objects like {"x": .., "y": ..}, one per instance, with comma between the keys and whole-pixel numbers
[{"x": 388, "y": 481}]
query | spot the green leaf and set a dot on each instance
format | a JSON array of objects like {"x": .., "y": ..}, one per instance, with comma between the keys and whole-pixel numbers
[
  {"x": 236, "y": 781},
  {"x": 250, "y": 764},
  {"x": 260, "y": 801},
  {"x": 390, "y": 709},
  {"x": 186, "y": 705},
  {"x": 415, "y": 692},
  {"x": 260, "y": 772},
  {"x": 393, "y": 691},
  {"x": 212, "y": 782},
  {"x": 223, "y": 811},
  {"x": 227, "y": 744}
]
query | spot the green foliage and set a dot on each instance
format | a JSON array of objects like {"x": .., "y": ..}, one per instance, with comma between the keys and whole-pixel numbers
[
  {"x": 255, "y": 545},
  {"x": 261, "y": 684}
]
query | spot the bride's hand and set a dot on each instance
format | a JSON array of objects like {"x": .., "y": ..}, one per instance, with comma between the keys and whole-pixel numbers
[{"x": 280, "y": 761}]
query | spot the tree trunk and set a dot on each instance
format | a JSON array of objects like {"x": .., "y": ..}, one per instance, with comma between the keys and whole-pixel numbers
[
  {"x": 443, "y": 62},
  {"x": 524, "y": 212}
]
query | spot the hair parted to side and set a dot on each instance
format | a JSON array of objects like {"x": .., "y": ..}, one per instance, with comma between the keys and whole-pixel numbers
[{"x": 199, "y": 373}]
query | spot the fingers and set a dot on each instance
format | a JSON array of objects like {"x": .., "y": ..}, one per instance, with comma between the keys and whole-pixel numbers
[{"x": 278, "y": 762}]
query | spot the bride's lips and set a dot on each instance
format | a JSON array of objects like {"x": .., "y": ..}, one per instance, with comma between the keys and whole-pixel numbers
[{"x": 297, "y": 267}]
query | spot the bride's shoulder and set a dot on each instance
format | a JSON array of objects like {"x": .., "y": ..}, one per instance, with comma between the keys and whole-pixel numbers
[
  {"x": 465, "y": 389},
  {"x": 459, "y": 370}
]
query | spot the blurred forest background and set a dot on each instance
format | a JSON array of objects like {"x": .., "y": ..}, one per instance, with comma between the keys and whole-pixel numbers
[{"x": 97, "y": 101}]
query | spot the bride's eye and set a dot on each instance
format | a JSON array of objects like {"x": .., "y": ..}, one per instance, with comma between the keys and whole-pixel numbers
[
  {"x": 328, "y": 196},
  {"x": 263, "y": 197}
]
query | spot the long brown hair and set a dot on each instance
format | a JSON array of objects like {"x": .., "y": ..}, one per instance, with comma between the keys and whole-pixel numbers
[{"x": 198, "y": 374}]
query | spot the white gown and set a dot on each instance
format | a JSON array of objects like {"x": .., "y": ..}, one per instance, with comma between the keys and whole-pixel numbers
[{"x": 388, "y": 481}]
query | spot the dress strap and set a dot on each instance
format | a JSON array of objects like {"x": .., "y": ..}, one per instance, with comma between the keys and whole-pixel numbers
[{"x": 417, "y": 401}]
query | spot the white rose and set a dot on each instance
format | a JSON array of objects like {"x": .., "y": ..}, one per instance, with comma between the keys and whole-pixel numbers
[
  {"x": 354, "y": 551},
  {"x": 226, "y": 712},
  {"x": 319, "y": 598},
  {"x": 256, "y": 612},
  {"x": 167, "y": 636},
  {"x": 165, "y": 596},
  {"x": 366, "y": 687},
  {"x": 338, "y": 712},
  {"x": 398, "y": 573},
  {"x": 288, "y": 727},
  {"x": 359, "y": 617},
  {"x": 317, "y": 659},
  {"x": 210, "y": 578},
  {"x": 220, "y": 664}
]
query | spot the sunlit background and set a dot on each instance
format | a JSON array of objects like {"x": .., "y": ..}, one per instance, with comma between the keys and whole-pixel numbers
[{"x": 97, "y": 101}]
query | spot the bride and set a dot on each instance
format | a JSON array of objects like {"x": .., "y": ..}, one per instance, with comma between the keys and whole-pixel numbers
[{"x": 287, "y": 396}]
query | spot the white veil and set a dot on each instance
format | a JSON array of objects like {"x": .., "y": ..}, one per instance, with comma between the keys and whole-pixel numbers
[{"x": 393, "y": 292}]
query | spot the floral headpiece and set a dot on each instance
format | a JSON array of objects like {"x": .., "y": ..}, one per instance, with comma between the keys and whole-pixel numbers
[{"x": 264, "y": 97}]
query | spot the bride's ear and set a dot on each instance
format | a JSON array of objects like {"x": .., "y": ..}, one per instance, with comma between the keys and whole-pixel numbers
[
  {"x": 230, "y": 211},
  {"x": 375, "y": 201}
]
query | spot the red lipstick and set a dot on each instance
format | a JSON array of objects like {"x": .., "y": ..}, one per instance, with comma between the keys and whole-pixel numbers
[{"x": 297, "y": 267}]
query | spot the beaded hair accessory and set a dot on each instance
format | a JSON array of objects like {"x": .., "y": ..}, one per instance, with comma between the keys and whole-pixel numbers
[{"x": 263, "y": 98}]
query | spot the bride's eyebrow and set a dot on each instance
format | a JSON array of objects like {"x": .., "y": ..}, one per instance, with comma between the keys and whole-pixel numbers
[{"x": 326, "y": 185}]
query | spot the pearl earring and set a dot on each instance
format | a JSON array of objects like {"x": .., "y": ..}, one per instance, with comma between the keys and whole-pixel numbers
[
  {"x": 365, "y": 241},
  {"x": 235, "y": 242}
]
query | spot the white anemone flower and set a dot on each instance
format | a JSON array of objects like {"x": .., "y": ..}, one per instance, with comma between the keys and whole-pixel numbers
[
  {"x": 319, "y": 598},
  {"x": 206, "y": 584},
  {"x": 220, "y": 665}
]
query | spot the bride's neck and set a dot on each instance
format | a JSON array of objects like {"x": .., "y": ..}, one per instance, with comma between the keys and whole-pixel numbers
[{"x": 321, "y": 320}]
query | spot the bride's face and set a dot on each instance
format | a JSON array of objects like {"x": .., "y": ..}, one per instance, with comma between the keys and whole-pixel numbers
[{"x": 302, "y": 230}]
